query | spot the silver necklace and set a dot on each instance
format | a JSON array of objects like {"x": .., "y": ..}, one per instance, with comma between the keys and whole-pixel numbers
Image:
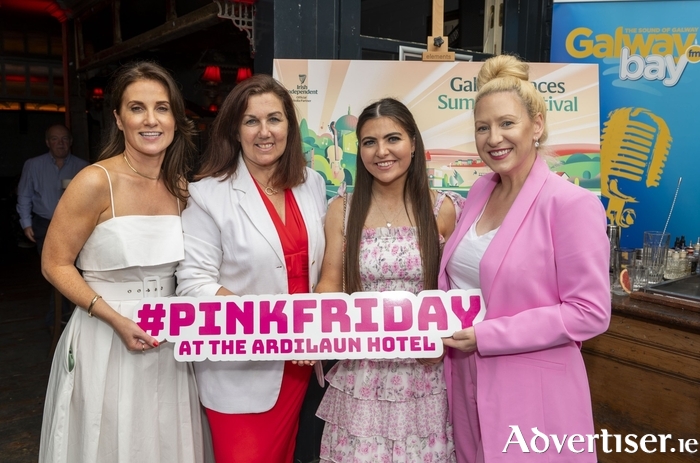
[
  {"x": 388, "y": 222},
  {"x": 136, "y": 171}
]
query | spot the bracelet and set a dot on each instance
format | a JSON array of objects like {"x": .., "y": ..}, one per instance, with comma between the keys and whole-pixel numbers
[{"x": 92, "y": 304}]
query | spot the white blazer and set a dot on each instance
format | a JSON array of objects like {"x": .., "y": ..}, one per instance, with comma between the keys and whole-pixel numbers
[{"x": 231, "y": 241}]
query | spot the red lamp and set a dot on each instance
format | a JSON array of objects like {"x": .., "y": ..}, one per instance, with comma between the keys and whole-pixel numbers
[
  {"x": 212, "y": 75},
  {"x": 246, "y": 2},
  {"x": 243, "y": 74},
  {"x": 97, "y": 93}
]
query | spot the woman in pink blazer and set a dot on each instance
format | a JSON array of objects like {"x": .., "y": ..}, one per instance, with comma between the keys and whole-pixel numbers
[{"x": 535, "y": 245}]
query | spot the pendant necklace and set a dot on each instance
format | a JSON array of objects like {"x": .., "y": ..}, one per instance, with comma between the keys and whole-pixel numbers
[
  {"x": 267, "y": 189},
  {"x": 136, "y": 171},
  {"x": 388, "y": 222}
]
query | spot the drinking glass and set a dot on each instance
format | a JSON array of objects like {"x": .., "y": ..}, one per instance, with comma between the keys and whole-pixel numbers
[
  {"x": 654, "y": 255},
  {"x": 638, "y": 275},
  {"x": 623, "y": 258}
]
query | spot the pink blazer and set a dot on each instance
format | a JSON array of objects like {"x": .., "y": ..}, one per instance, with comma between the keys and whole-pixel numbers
[{"x": 546, "y": 287}]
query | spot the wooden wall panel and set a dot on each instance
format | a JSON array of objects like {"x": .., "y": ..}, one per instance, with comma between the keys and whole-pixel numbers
[{"x": 645, "y": 379}]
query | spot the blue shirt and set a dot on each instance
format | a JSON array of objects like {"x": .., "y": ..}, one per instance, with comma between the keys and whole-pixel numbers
[{"x": 40, "y": 186}]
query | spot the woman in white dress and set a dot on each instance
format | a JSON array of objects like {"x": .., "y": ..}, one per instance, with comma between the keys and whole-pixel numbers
[{"x": 115, "y": 394}]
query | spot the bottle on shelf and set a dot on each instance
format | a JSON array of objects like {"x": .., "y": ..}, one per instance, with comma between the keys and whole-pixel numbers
[
  {"x": 684, "y": 269},
  {"x": 676, "y": 243},
  {"x": 692, "y": 258},
  {"x": 614, "y": 238},
  {"x": 677, "y": 265}
]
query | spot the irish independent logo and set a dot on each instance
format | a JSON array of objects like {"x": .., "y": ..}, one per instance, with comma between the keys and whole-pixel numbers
[{"x": 302, "y": 91}]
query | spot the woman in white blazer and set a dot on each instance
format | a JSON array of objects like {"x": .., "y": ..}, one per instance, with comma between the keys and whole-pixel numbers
[{"x": 253, "y": 225}]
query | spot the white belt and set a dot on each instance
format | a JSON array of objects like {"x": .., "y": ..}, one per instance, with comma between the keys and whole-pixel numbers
[{"x": 134, "y": 290}]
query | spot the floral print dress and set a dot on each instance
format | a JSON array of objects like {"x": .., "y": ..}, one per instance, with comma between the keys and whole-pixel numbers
[{"x": 394, "y": 411}]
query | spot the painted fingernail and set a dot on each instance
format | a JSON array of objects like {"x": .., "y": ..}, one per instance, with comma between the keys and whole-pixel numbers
[{"x": 155, "y": 343}]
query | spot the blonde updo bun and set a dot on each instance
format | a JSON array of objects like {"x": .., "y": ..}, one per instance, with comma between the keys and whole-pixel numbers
[
  {"x": 502, "y": 66},
  {"x": 506, "y": 73}
]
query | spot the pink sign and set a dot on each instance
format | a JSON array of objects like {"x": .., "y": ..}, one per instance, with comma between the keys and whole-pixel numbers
[{"x": 392, "y": 324}]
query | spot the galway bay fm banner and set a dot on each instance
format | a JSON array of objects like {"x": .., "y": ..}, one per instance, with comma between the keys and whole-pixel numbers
[
  {"x": 647, "y": 53},
  {"x": 330, "y": 94}
]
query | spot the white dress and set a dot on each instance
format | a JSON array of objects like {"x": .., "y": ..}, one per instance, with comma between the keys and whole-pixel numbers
[{"x": 104, "y": 403}]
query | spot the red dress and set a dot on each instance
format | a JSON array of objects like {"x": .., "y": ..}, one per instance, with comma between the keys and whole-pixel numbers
[{"x": 269, "y": 437}]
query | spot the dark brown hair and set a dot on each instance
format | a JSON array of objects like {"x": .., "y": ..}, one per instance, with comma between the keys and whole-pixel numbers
[
  {"x": 416, "y": 190},
  {"x": 177, "y": 161},
  {"x": 224, "y": 151}
]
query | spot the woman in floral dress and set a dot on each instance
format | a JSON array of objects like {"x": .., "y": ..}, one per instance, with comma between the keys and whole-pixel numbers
[{"x": 393, "y": 227}]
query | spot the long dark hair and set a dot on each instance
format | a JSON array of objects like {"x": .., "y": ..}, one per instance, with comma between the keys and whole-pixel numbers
[
  {"x": 224, "y": 151},
  {"x": 416, "y": 190},
  {"x": 178, "y": 156}
]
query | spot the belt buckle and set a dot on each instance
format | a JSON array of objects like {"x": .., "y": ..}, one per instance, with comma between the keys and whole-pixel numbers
[{"x": 151, "y": 287}]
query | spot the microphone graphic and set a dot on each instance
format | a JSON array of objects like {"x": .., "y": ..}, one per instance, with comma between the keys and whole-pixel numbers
[{"x": 634, "y": 147}]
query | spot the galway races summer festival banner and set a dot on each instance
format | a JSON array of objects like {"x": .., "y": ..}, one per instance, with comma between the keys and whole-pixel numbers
[{"x": 330, "y": 94}]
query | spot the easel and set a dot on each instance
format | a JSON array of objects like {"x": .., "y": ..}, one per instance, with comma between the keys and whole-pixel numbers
[{"x": 438, "y": 43}]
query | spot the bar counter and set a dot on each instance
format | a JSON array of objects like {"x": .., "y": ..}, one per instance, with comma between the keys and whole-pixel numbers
[{"x": 644, "y": 374}]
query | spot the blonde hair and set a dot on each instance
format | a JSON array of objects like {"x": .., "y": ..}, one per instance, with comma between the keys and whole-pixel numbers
[{"x": 506, "y": 73}]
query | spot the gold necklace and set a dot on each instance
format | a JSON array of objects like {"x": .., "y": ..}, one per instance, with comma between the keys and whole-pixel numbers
[
  {"x": 388, "y": 222},
  {"x": 267, "y": 189},
  {"x": 136, "y": 171}
]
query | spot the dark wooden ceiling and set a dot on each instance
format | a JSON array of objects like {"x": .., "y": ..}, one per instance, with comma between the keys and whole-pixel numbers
[
  {"x": 148, "y": 31},
  {"x": 215, "y": 42},
  {"x": 56, "y": 8}
]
